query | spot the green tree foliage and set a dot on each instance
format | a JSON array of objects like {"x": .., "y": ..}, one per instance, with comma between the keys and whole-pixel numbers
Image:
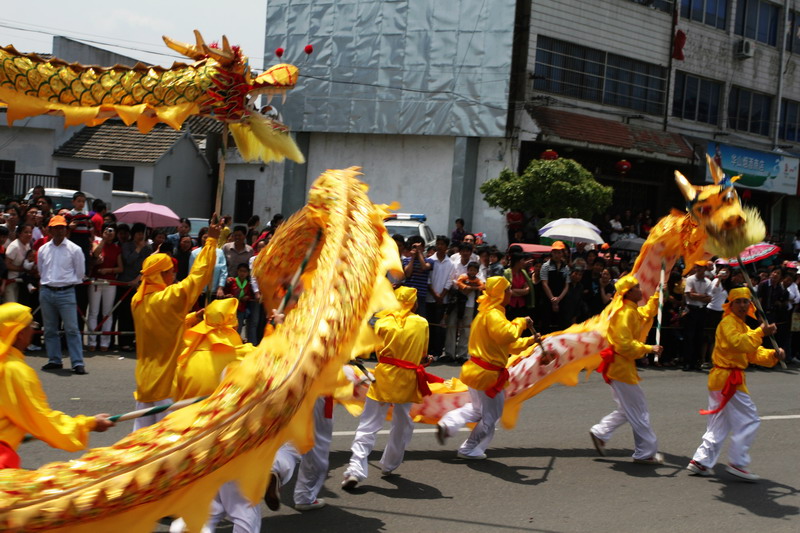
[{"x": 555, "y": 189}]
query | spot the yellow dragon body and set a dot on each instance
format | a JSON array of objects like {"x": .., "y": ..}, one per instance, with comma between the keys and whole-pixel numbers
[
  {"x": 219, "y": 84},
  {"x": 175, "y": 467}
]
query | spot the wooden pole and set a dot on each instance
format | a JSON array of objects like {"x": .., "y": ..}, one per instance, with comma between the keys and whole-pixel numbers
[{"x": 221, "y": 180}]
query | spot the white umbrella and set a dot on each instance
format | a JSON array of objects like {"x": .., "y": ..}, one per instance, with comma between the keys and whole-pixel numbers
[
  {"x": 572, "y": 221},
  {"x": 574, "y": 233}
]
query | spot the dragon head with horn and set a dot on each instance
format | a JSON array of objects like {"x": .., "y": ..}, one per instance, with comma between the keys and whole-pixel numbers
[{"x": 729, "y": 227}]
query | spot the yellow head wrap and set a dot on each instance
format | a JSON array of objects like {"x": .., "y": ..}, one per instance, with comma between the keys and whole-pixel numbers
[
  {"x": 406, "y": 297},
  {"x": 14, "y": 318},
  {"x": 622, "y": 286},
  {"x": 218, "y": 329},
  {"x": 152, "y": 281},
  {"x": 494, "y": 294},
  {"x": 735, "y": 294}
]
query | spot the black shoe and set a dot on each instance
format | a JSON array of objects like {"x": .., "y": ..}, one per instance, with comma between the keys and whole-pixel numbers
[
  {"x": 80, "y": 370},
  {"x": 272, "y": 497},
  {"x": 53, "y": 366}
]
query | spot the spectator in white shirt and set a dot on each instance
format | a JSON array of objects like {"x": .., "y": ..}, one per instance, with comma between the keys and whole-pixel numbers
[
  {"x": 697, "y": 292},
  {"x": 61, "y": 266},
  {"x": 439, "y": 284}
]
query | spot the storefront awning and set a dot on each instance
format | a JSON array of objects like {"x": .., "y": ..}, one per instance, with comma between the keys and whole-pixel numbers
[{"x": 575, "y": 129}]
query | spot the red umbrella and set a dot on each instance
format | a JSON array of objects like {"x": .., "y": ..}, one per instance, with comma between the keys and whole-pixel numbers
[{"x": 755, "y": 253}]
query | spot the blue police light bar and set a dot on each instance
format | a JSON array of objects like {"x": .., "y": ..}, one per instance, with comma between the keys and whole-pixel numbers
[{"x": 419, "y": 217}]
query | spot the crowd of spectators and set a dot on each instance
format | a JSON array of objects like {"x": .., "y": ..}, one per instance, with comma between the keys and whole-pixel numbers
[
  {"x": 111, "y": 256},
  {"x": 569, "y": 285}
]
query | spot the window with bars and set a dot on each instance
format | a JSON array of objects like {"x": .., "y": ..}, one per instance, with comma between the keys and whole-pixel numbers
[
  {"x": 696, "y": 98},
  {"x": 711, "y": 12},
  {"x": 749, "y": 111},
  {"x": 790, "y": 121},
  {"x": 757, "y": 19},
  {"x": 590, "y": 74},
  {"x": 793, "y": 35}
]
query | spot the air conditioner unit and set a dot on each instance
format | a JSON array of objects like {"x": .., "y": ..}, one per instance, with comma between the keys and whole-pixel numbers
[{"x": 745, "y": 49}]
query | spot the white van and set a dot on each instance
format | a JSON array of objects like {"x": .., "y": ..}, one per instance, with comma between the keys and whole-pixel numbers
[{"x": 62, "y": 198}]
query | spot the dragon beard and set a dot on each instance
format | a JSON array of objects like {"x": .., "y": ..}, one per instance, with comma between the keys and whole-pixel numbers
[{"x": 730, "y": 243}]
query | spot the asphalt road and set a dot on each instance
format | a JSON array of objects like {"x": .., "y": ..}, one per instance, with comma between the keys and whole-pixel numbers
[{"x": 543, "y": 476}]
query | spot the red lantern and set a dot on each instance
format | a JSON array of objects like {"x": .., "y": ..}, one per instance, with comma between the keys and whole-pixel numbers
[
  {"x": 279, "y": 52},
  {"x": 622, "y": 166},
  {"x": 308, "y": 49},
  {"x": 549, "y": 155}
]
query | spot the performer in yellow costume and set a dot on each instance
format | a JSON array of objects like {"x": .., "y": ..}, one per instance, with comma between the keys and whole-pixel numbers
[
  {"x": 730, "y": 408},
  {"x": 211, "y": 345},
  {"x": 400, "y": 380},
  {"x": 23, "y": 403},
  {"x": 628, "y": 324},
  {"x": 492, "y": 339},
  {"x": 159, "y": 310}
]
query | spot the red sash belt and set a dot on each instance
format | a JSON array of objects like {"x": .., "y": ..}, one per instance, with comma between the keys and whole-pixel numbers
[
  {"x": 423, "y": 378},
  {"x": 735, "y": 378},
  {"x": 498, "y": 385},
  {"x": 328, "y": 406},
  {"x": 608, "y": 358},
  {"x": 8, "y": 457}
]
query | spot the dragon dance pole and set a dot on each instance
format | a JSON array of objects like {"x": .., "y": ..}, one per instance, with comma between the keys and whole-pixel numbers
[
  {"x": 143, "y": 412},
  {"x": 221, "y": 178},
  {"x": 757, "y": 302},
  {"x": 660, "y": 305}
]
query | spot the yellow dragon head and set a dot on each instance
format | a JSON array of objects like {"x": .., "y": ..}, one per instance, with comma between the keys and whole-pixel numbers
[{"x": 730, "y": 228}]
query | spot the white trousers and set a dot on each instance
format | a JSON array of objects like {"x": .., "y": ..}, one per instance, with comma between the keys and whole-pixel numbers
[
  {"x": 369, "y": 424},
  {"x": 631, "y": 408},
  {"x": 313, "y": 465},
  {"x": 458, "y": 329},
  {"x": 739, "y": 418},
  {"x": 228, "y": 502},
  {"x": 485, "y": 412},
  {"x": 101, "y": 301},
  {"x": 149, "y": 420}
]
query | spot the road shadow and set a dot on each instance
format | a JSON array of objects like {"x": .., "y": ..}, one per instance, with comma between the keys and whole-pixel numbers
[
  {"x": 329, "y": 518},
  {"x": 672, "y": 467},
  {"x": 760, "y": 498},
  {"x": 513, "y": 473},
  {"x": 403, "y": 489}
]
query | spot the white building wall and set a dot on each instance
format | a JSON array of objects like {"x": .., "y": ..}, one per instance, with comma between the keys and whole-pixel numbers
[
  {"x": 181, "y": 181},
  {"x": 31, "y": 142},
  {"x": 413, "y": 170},
  {"x": 494, "y": 155}
]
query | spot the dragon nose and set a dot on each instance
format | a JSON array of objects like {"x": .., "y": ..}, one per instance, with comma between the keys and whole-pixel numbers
[{"x": 733, "y": 221}]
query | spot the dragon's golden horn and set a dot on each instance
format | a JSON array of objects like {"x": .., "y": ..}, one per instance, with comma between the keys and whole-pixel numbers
[
  {"x": 194, "y": 51},
  {"x": 685, "y": 187},
  {"x": 225, "y": 57},
  {"x": 716, "y": 171},
  {"x": 226, "y": 46}
]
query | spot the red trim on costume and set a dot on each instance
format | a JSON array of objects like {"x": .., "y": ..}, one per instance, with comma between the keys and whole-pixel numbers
[
  {"x": 492, "y": 391},
  {"x": 608, "y": 358},
  {"x": 735, "y": 378},
  {"x": 8, "y": 457},
  {"x": 328, "y": 407},
  {"x": 423, "y": 378}
]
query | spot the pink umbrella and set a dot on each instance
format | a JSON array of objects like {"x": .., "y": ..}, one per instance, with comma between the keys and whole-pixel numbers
[
  {"x": 151, "y": 215},
  {"x": 756, "y": 252}
]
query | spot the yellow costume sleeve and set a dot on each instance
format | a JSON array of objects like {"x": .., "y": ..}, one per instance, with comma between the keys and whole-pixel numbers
[
  {"x": 650, "y": 309},
  {"x": 160, "y": 325},
  {"x": 492, "y": 338},
  {"x": 623, "y": 333},
  {"x": 24, "y": 409},
  {"x": 407, "y": 341},
  {"x": 741, "y": 339}
]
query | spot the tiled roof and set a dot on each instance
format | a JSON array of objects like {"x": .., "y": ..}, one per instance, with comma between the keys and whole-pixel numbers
[
  {"x": 113, "y": 140},
  {"x": 585, "y": 128},
  {"x": 198, "y": 125}
]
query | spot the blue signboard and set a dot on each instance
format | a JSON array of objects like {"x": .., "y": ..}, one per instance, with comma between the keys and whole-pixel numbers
[{"x": 764, "y": 171}]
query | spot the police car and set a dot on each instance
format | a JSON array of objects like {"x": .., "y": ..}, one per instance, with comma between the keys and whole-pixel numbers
[{"x": 409, "y": 224}]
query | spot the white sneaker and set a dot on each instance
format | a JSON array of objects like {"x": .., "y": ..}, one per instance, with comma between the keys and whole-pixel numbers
[
  {"x": 696, "y": 469},
  {"x": 657, "y": 459},
  {"x": 349, "y": 482},
  {"x": 33, "y": 348},
  {"x": 316, "y": 504},
  {"x": 741, "y": 473},
  {"x": 466, "y": 457}
]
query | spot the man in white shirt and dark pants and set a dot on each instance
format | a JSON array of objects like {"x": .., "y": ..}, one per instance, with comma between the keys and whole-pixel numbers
[
  {"x": 439, "y": 283},
  {"x": 697, "y": 293},
  {"x": 61, "y": 267}
]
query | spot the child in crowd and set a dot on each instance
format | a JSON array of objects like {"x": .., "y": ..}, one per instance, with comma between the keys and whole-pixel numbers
[
  {"x": 241, "y": 288},
  {"x": 469, "y": 288}
]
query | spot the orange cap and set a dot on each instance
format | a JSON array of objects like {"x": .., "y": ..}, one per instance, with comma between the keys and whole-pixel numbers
[
  {"x": 57, "y": 220},
  {"x": 558, "y": 245}
]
